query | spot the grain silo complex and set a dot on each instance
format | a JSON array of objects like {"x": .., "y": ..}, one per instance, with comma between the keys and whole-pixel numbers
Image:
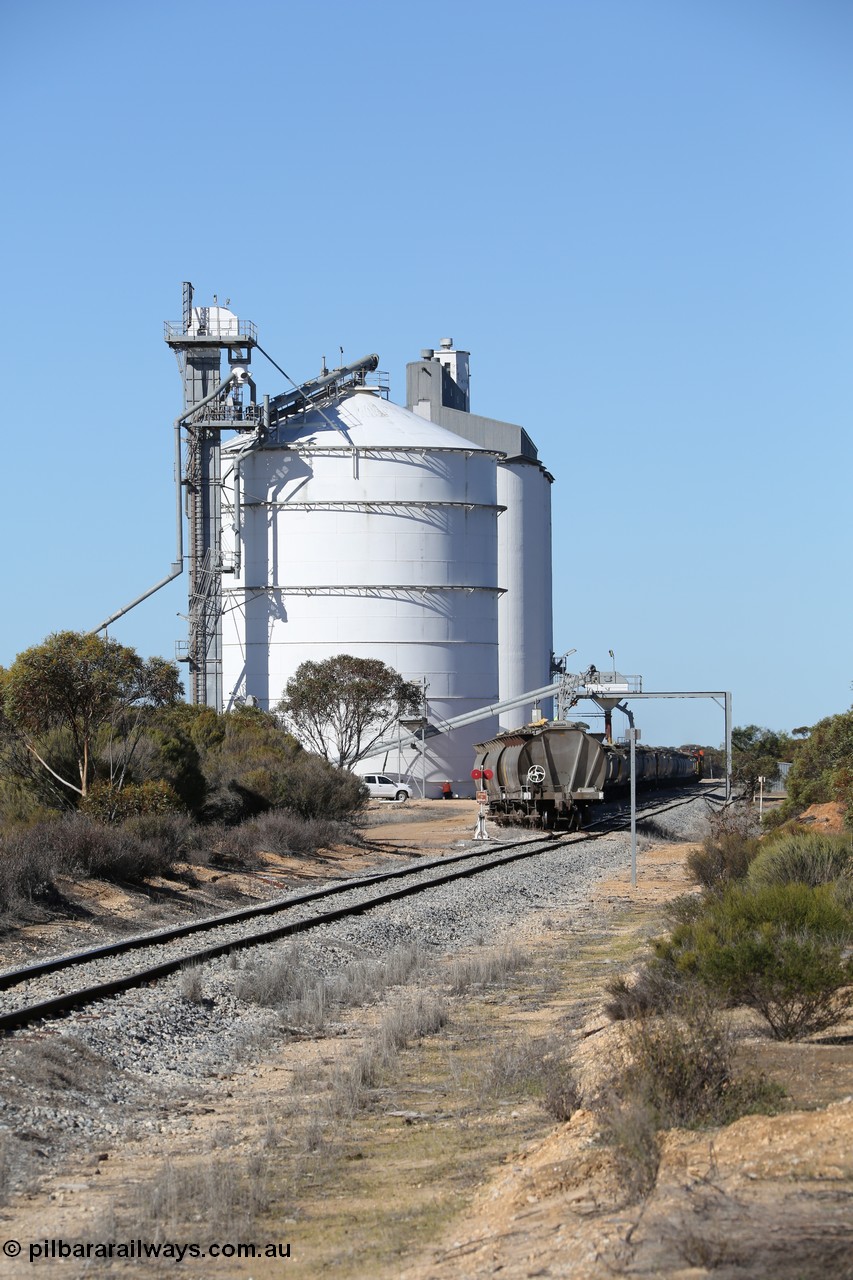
[{"x": 327, "y": 519}]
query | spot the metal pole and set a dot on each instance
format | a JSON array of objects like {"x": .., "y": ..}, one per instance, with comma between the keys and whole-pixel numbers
[
  {"x": 632, "y": 735},
  {"x": 728, "y": 747},
  {"x": 423, "y": 743}
]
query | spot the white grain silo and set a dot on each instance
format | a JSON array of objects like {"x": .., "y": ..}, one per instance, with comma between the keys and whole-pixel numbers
[
  {"x": 437, "y": 389},
  {"x": 363, "y": 529}
]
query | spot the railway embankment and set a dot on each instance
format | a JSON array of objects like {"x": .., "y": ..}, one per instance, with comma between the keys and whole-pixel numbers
[{"x": 393, "y": 1096}]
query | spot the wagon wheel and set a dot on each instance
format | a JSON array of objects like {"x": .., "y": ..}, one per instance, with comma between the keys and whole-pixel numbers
[{"x": 536, "y": 774}]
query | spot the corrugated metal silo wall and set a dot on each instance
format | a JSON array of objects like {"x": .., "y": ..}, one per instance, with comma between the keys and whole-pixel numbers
[{"x": 396, "y": 562}]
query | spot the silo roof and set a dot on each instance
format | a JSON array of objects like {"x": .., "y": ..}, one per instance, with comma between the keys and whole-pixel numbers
[{"x": 364, "y": 420}]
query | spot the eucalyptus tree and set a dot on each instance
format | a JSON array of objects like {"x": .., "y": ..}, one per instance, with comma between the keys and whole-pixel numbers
[
  {"x": 95, "y": 690},
  {"x": 342, "y": 706}
]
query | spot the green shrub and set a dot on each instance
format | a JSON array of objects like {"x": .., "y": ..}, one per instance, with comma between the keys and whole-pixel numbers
[
  {"x": 777, "y": 949},
  {"x": 21, "y": 806},
  {"x": 314, "y": 789},
  {"x": 105, "y": 803},
  {"x": 28, "y": 792},
  {"x": 727, "y": 850},
  {"x": 255, "y": 766},
  {"x": 822, "y": 764},
  {"x": 166, "y": 752},
  {"x": 807, "y": 857}
]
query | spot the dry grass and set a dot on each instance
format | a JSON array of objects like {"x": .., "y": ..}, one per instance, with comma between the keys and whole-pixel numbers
[
  {"x": 629, "y": 1126},
  {"x": 221, "y": 1190},
  {"x": 418, "y": 1015},
  {"x": 491, "y": 968},
  {"x": 5, "y": 1167},
  {"x": 192, "y": 987},
  {"x": 532, "y": 1067},
  {"x": 305, "y": 999}
]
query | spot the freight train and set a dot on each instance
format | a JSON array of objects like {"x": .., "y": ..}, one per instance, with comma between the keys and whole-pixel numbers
[{"x": 551, "y": 774}]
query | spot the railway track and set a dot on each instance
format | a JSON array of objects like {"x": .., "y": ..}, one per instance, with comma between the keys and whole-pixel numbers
[
  {"x": 45, "y": 990},
  {"x": 650, "y": 807}
]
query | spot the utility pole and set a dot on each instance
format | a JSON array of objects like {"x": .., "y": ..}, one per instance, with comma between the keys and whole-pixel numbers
[
  {"x": 633, "y": 735},
  {"x": 425, "y": 686}
]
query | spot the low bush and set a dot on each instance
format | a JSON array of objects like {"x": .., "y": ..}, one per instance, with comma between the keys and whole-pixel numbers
[
  {"x": 679, "y": 1072},
  {"x": 681, "y": 1069},
  {"x": 629, "y": 1127},
  {"x": 179, "y": 837},
  {"x": 32, "y": 857},
  {"x": 535, "y": 1068},
  {"x": 106, "y": 803},
  {"x": 683, "y": 909},
  {"x": 278, "y": 832},
  {"x": 807, "y": 857},
  {"x": 727, "y": 851},
  {"x": 779, "y": 949},
  {"x": 109, "y": 853},
  {"x": 29, "y": 864},
  {"x": 653, "y": 988}
]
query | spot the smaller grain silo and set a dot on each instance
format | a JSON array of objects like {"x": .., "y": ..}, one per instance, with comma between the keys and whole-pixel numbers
[{"x": 437, "y": 389}]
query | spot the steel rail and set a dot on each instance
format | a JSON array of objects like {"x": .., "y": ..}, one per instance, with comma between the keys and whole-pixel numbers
[
  {"x": 617, "y": 823},
  {"x": 11, "y": 977},
  {"x": 68, "y": 1001}
]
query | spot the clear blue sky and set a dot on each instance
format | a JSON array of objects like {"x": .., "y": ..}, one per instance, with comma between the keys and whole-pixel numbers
[{"x": 636, "y": 215}]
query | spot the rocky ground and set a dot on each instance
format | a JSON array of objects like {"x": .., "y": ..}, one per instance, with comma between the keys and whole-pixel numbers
[{"x": 195, "y": 1116}]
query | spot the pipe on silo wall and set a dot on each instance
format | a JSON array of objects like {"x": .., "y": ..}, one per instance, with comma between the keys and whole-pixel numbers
[{"x": 178, "y": 564}]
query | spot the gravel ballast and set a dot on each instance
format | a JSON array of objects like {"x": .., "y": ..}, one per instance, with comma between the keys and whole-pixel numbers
[{"x": 135, "y": 1061}]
